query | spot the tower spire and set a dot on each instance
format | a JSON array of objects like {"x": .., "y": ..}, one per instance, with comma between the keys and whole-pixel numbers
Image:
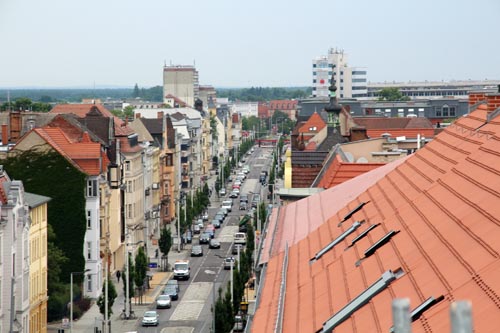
[{"x": 333, "y": 108}]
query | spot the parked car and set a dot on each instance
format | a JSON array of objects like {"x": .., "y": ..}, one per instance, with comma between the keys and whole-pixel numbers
[
  {"x": 222, "y": 192},
  {"x": 240, "y": 164},
  {"x": 228, "y": 204},
  {"x": 196, "y": 251},
  {"x": 244, "y": 198},
  {"x": 224, "y": 211},
  {"x": 216, "y": 224},
  {"x": 196, "y": 229},
  {"x": 243, "y": 206},
  {"x": 210, "y": 232},
  {"x": 205, "y": 238},
  {"x": 234, "y": 249},
  {"x": 228, "y": 262},
  {"x": 219, "y": 217},
  {"x": 200, "y": 223},
  {"x": 233, "y": 194},
  {"x": 150, "y": 318},
  {"x": 204, "y": 216},
  {"x": 174, "y": 283},
  {"x": 172, "y": 292},
  {"x": 163, "y": 302},
  {"x": 188, "y": 237},
  {"x": 214, "y": 244}
]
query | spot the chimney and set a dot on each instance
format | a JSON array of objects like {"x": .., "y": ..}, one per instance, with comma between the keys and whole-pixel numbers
[
  {"x": 160, "y": 114},
  {"x": 137, "y": 115},
  {"x": 5, "y": 135}
]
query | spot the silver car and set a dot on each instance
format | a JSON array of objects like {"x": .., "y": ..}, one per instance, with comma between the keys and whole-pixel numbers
[
  {"x": 150, "y": 318},
  {"x": 163, "y": 302}
]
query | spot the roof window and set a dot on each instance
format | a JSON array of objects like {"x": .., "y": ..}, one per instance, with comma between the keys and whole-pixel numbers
[
  {"x": 352, "y": 212},
  {"x": 381, "y": 242},
  {"x": 419, "y": 310},
  {"x": 358, "y": 302},
  {"x": 363, "y": 235},
  {"x": 337, "y": 240}
]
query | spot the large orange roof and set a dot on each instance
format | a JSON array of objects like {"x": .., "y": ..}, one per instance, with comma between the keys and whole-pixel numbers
[
  {"x": 409, "y": 127},
  {"x": 85, "y": 155},
  {"x": 444, "y": 200}
]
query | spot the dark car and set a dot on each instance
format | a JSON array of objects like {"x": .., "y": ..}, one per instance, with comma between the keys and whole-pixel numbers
[
  {"x": 205, "y": 238},
  {"x": 188, "y": 237},
  {"x": 196, "y": 251},
  {"x": 214, "y": 244},
  {"x": 210, "y": 232},
  {"x": 216, "y": 224},
  {"x": 174, "y": 283},
  {"x": 172, "y": 292},
  {"x": 219, "y": 217}
]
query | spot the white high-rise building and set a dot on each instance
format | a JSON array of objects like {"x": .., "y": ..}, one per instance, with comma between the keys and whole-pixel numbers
[{"x": 351, "y": 81}]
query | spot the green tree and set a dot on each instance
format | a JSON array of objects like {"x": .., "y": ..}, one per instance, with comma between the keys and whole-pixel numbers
[
  {"x": 101, "y": 303},
  {"x": 131, "y": 270},
  {"x": 128, "y": 112},
  {"x": 213, "y": 127},
  {"x": 391, "y": 94},
  {"x": 141, "y": 267},
  {"x": 136, "y": 92},
  {"x": 23, "y": 104},
  {"x": 165, "y": 244}
]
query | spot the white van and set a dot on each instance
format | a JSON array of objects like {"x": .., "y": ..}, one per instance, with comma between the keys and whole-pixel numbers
[
  {"x": 240, "y": 238},
  {"x": 228, "y": 204},
  {"x": 181, "y": 269}
]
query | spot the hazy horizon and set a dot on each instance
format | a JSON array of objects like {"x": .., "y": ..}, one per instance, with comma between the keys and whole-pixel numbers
[{"x": 79, "y": 44}]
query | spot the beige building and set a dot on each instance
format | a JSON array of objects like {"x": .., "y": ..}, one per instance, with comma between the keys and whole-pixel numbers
[
  {"x": 182, "y": 82},
  {"x": 38, "y": 262}
]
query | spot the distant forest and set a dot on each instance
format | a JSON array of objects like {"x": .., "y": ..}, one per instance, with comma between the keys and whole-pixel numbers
[{"x": 153, "y": 94}]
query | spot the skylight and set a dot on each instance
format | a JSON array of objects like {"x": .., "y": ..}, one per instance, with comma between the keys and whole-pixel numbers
[
  {"x": 363, "y": 234},
  {"x": 337, "y": 240},
  {"x": 419, "y": 310},
  {"x": 352, "y": 212},
  {"x": 358, "y": 302}
]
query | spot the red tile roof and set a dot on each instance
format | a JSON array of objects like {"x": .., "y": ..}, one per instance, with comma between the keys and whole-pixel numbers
[
  {"x": 85, "y": 155},
  {"x": 314, "y": 124},
  {"x": 445, "y": 202},
  {"x": 285, "y": 104},
  {"x": 340, "y": 171},
  {"x": 81, "y": 110},
  {"x": 409, "y": 127},
  {"x": 177, "y": 100}
]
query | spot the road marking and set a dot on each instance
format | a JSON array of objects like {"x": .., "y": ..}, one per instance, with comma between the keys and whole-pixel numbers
[
  {"x": 207, "y": 271},
  {"x": 193, "y": 301},
  {"x": 197, "y": 291},
  {"x": 183, "y": 329},
  {"x": 227, "y": 233}
]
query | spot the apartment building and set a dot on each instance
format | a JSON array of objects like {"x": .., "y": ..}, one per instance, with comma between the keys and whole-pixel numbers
[{"x": 182, "y": 82}]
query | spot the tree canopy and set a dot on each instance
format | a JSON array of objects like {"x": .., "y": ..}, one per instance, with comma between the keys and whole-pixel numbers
[
  {"x": 264, "y": 93},
  {"x": 391, "y": 94}
]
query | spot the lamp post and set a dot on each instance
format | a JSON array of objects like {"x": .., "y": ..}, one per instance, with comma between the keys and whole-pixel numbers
[{"x": 71, "y": 298}]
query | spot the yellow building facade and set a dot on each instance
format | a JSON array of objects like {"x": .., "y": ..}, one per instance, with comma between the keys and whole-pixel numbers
[{"x": 38, "y": 262}]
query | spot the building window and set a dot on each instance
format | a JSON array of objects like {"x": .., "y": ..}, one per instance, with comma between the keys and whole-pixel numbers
[
  {"x": 89, "y": 250},
  {"x": 314, "y": 81},
  {"x": 445, "y": 110},
  {"x": 89, "y": 219},
  {"x": 168, "y": 160},
  {"x": 437, "y": 110},
  {"x": 127, "y": 165},
  {"x": 452, "y": 111},
  {"x": 92, "y": 188},
  {"x": 314, "y": 73},
  {"x": 129, "y": 186},
  {"x": 89, "y": 283},
  {"x": 129, "y": 211},
  {"x": 100, "y": 227},
  {"x": 314, "y": 65}
]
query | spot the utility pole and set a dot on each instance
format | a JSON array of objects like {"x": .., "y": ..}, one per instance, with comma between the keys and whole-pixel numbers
[{"x": 127, "y": 272}]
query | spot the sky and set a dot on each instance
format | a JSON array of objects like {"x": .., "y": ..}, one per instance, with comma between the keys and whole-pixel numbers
[{"x": 234, "y": 43}]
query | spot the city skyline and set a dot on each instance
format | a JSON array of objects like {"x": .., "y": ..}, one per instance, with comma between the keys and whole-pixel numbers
[{"x": 118, "y": 44}]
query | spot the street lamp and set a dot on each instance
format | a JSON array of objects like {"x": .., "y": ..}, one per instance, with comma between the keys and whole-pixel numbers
[{"x": 71, "y": 298}]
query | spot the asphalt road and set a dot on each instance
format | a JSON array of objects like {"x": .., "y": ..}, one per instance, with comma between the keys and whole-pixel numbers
[{"x": 191, "y": 313}]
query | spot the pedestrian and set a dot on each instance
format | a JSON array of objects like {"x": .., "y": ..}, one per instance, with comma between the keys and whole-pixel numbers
[
  {"x": 118, "y": 275},
  {"x": 156, "y": 253}
]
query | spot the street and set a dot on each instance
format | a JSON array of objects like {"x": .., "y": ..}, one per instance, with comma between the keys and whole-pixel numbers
[{"x": 191, "y": 313}]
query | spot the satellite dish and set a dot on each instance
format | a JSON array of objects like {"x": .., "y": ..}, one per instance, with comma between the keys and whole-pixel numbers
[
  {"x": 362, "y": 160},
  {"x": 349, "y": 157}
]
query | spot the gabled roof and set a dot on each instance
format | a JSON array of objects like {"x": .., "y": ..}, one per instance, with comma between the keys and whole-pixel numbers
[
  {"x": 314, "y": 124},
  {"x": 84, "y": 155},
  {"x": 177, "y": 100},
  {"x": 442, "y": 205},
  {"x": 83, "y": 110}
]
